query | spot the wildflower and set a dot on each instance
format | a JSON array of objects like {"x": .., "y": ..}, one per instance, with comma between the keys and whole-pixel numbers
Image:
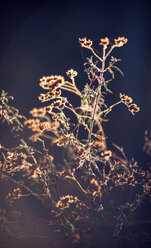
[
  {"x": 31, "y": 122},
  {"x": 120, "y": 41},
  {"x": 104, "y": 42},
  {"x": 130, "y": 180},
  {"x": 94, "y": 185},
  {"x": 71, "y": 73},
  {"x": 99, "y": 145},
  {"x": 106, "y": 154},
  {"x": 126, "y": 99},
  {"x": 85, "y": 43},
  {"x": 65, "y": 201},
  {"x": 33, "y": 138},
  {"x": 63, "y": 140},
  {"x": 55, "y": 116},
  {"x": 59, "y": 103},
  {"x": 38, "y": 112},
  {"x": 15, "y": 194},
  {"x": 49, "y": 95},
  {"x": 44, "y": 125},
  {"x": 52, "y": 82},
  {"x": 49, "y": 109},
  {"x": 67, "y": 172},
  {"x": 133, "y": 108}
]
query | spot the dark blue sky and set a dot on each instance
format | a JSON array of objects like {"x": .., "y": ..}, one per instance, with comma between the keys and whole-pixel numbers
[{"x": 41, "y": 38}]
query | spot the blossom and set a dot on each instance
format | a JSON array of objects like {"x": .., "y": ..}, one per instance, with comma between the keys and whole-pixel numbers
[
  {"x": 133, "y": 108},
  {"x": 51, "y": 82},
  {"x": 85, "y": 43},
  {"x": 104, "y": 42},
  {"x": 71, "y": 73},
  {"x": 126, "y": 99},
  {"x": 38, "y": 112},
  {"x": 106, "y": 154},
  {"x": 120, "y": 41}
]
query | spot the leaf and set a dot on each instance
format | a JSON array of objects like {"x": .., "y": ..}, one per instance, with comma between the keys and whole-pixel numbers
[{"x": 118, "y": 69}]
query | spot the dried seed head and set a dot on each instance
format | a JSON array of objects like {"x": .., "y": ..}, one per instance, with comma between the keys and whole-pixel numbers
[
  {"x": 38, "y": 112},
  {"x": 106, "y": 154},
  {"x": 120, "y": 41},
  {"x": 126, "y": 99},
  {"x": 52, "y": 82},
  {"x": 133, "y": 108},
  {"x": 104, "y": 42},
  {"x": 85, "y": 43},
  {"x": 71, "y": 73}
]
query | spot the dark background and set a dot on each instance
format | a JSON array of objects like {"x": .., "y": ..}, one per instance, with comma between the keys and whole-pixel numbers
[{"x": 41, "y": 38}]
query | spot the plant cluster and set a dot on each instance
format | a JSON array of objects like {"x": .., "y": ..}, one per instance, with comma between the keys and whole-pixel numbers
[{"x": 91, "y": 169}]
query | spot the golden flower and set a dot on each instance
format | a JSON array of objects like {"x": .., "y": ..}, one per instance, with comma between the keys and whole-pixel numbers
[
  {"x": 71, "y": 73},
  {"x": 33, "y": 138},
  {"x": 38, "y": 112},
  {"x": 52, "y": 82},
  {"x": 16, "y": 193},
  {"x": 106, "y": 154},
  {"x": 133, "y": 108},
  {"x": 85, "y": 43},
  {"x": 130, "y": 180},
  {"x": 44, "y": 125},
  {"x": 104, "y": 42},
  {"x": 120, "y": 41},
  {"x": 126, "y": 99},
  {"x": 49, "y": 109},
  {"x": 94, "y": 185},
  {"x": 65, "y": 200}
]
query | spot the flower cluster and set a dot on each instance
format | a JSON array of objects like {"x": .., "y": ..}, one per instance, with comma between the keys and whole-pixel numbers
[
  {"x": 36, "y": 126},
  {"x": 65, "y": 201},
  {"x": 94, "y": 185},
  {"x": 64, "y": 140},
  {"x": 106, "y": 154},
  {"x": 124, "y": 178},
  {"x": 52, "y": 82},
  {"x": 38, "y": 112},
  {"x": 85, "y": 43},
  {"x": 132, "y": 107},
  {"x": 14, "y": 160},
  {"x": 104, "y": 42},
  {"x": 49, "y": 95},
  {"x": 34, "y": 171},
  {"x": 14, "y": 195},
  {"x": 71, "y": 73},
  {"x": 120, "y": 41}
]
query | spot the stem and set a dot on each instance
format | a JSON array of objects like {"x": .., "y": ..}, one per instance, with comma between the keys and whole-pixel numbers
[
  {"x": 76, "y": 91},
  {"x": 95, "y": 54},
  {"x": 110, "y": 107},
  {"x": 110, "y": 51},
  {"x": 97, "y": 96}
]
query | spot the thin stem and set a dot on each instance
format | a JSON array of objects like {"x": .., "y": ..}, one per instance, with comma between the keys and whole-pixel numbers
[
  {"x": 110, "y": 107},
  {"x": 110, "y": 51},
  {"x": 71, "y": 90},
  {"x": 95, "y": 54}
]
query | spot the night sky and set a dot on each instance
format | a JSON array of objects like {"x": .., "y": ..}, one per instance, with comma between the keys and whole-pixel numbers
[{"x": 41, "y": 38}]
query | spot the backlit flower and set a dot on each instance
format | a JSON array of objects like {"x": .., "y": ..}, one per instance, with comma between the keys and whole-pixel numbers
[{"x": 120, "y": 41}]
